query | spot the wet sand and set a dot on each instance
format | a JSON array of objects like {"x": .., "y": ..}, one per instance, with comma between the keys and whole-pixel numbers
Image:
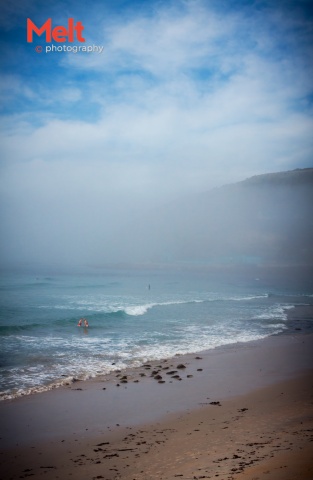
[{"x": 237, "y": 412}]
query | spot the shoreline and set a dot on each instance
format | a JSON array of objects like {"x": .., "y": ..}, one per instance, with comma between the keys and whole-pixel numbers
[
  {"x": 127, "y": 424},
  {"x": 299, "y": 318},
  {"x": 65, "y": 427},
  {"x": 232, "y": 370}
]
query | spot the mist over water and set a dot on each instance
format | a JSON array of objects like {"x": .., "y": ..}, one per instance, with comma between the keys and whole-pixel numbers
[
  {"x": 222, "y": 267},
  {"x": 263, "y": 221}
]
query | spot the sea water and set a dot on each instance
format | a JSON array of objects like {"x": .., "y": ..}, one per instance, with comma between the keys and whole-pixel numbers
[{"x": 134, "y": 317}]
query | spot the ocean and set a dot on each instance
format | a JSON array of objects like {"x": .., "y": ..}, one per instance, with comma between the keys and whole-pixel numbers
[{"x": 134, "y": 317}]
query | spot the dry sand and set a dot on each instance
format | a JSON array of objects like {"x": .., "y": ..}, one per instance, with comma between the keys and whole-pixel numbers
[{"x": 241, "y": 412}]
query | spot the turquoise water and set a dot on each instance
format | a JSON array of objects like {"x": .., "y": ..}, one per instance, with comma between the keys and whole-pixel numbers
[{"x": 133, "y": 318}]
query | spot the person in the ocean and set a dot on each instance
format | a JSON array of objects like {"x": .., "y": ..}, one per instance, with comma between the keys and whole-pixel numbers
[{"x": 81, "y": 320}]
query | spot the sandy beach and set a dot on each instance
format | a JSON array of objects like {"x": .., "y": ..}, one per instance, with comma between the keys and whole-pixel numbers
[{"x": 243, "y": 411}]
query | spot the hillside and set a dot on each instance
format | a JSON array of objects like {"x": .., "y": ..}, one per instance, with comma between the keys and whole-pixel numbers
[{"x": 266, "y": 219}]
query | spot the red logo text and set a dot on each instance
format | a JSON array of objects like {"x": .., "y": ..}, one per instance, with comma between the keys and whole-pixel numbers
[{"x": 58, "y": 34}]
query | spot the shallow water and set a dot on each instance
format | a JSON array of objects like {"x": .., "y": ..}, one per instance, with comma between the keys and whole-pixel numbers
[{"x": 133, "y": 318}]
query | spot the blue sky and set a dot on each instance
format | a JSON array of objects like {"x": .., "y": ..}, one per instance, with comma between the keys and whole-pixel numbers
[{"x": 186, "y": 96}]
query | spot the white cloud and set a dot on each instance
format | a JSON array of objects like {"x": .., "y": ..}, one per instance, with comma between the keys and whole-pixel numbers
[{"x": 162, "y": 45}]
